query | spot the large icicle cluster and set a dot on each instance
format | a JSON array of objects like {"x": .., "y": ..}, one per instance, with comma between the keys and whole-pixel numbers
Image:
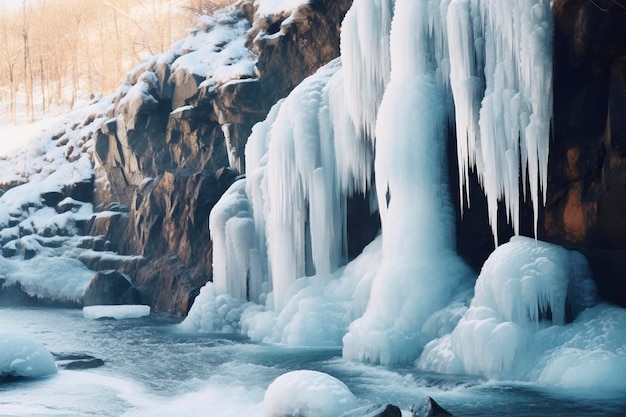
[
  {"x": 302, "y": 162},
  {"x": 501, "y": 79},
  {"x": 406, "y": 60}
]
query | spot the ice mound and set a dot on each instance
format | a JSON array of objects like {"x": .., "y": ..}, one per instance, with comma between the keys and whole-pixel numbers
[
  {"x": 525, "y": 286},
  {"x": 21, "y": 356},
  {"x": 528, "y": 282},
  {"x": 318, "y": 313},
  {"x": 588, "y": 355},
  {"x": 117, "y": 312},
  {"x": 307, "y": 394},
  {"x": 213, "y": 313}
]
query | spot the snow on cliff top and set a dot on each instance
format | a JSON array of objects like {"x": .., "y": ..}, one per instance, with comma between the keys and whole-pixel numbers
[
  {"x": 270, "y": 7},
  {"x": 215, "y": 49}
]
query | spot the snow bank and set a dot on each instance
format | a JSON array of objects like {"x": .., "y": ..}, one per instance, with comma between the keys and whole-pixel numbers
[
  {"x": 39, "y": 235},
  {"x": 53, "y": 277},
  {"x": 215, "y": 50},
  {"x": 307, "y": 394},
  {"x": 118, "y": 312},
  {"x": 22, "y": 356}
]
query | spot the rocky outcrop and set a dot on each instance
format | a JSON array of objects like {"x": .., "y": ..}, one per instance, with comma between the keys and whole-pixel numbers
[
  {"x": 429, "y": 408},
  {"x": 175, "y": 142},
  {"x": 110, "y": 288},
  {"x": 77, "y": 361}
]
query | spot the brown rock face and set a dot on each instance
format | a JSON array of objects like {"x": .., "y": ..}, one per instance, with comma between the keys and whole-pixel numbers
[
  {"x": 586, "y": 207},
  {"x": 310, "y": 40}
]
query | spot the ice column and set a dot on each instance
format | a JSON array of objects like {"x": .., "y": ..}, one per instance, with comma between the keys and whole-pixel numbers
[
  {"x": 232, "y": 231},
  {"x": 420, "y": 267}
]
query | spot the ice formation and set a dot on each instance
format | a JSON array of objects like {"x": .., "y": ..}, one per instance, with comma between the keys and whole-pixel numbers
[
  {"x": 289, "y": 221},
  {"x": 524, "y": 286},
  {"x": 308, "y": 394},
  {"x": 413, "y": 66},
  {"x": 22, "y": 356},
  {"x": 419, "y": 259}
]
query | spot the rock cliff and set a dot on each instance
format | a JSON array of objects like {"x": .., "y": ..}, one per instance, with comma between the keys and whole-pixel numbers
[{"x": 176, "y": 141}]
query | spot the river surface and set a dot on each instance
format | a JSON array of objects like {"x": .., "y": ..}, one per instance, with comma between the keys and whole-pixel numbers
[{"x": 152, "y": 369}]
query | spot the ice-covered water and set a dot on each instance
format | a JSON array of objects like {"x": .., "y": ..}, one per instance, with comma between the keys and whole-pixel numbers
[{"x": 152, "y": 369}]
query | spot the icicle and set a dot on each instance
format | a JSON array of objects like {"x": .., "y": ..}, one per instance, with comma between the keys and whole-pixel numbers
[
  {"x": 232, "y": 232},
  {"x": 365, "y": 55},
  {"x": 511, "y": 42}
]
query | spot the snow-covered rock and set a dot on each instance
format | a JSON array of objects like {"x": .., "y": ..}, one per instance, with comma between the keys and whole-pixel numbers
[
  {"x": 22, "y": 356},
  {"x": 307, "y": 394}
]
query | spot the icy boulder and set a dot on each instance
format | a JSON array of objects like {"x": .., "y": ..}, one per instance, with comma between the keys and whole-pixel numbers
[
  {"x": 21, "y": 356},
  {"x": 308, "y": 394}
]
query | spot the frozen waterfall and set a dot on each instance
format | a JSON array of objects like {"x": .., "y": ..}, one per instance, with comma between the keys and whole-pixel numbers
[{"x": 409, "y": 71}]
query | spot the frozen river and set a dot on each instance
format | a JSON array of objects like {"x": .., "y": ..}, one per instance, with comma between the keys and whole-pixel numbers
[{"x": 152, "y": 369}]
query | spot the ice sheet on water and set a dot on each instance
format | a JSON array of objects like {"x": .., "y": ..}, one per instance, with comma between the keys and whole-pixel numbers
[
  {"x": 308, "y": 394},
  {"x": 118, "y": 312},
  {"x": 22, "y": 356}
]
